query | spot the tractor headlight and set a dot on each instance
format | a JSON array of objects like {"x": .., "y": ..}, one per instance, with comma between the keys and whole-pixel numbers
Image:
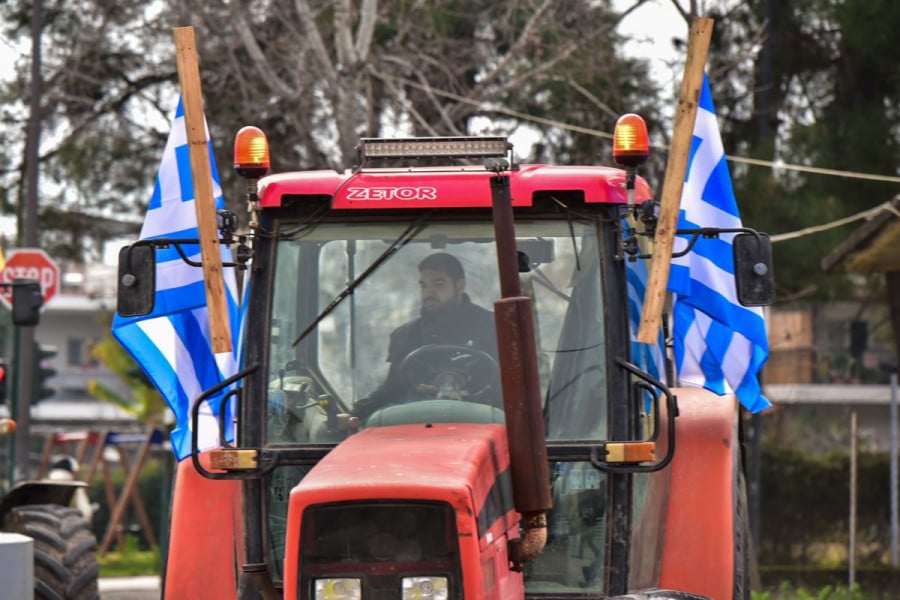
[
  {"x": 338, "y": 589},
  {"x": 424, "y": 588}
]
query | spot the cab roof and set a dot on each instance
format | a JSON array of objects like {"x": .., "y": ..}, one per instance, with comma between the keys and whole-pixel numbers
[{"x": 446, "y": 187}]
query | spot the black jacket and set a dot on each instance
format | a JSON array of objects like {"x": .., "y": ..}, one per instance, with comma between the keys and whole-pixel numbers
[{"x": 465, "y": 324}]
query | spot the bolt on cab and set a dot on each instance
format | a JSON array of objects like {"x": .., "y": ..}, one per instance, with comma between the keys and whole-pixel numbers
[{"x": 438, "y": 398}]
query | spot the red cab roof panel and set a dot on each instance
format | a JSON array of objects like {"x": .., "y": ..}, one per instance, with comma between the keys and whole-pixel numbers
[{"x": 446, "y": 188}]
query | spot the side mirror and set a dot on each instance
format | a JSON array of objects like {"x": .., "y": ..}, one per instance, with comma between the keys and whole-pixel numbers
[
  {"x": 27, "y": 301},
  {"x": 754, "y": 277},
  {"x": 136, "y": 287}
]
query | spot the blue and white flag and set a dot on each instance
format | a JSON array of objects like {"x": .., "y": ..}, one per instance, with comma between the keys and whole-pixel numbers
[
  {"x": 719, "y": 344},
  {"x": 649, "y": 357},
  {"x": 172, "y": 344}
]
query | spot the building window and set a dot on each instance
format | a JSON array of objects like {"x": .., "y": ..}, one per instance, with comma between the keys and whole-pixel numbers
[{"x": 80, "y": 353}]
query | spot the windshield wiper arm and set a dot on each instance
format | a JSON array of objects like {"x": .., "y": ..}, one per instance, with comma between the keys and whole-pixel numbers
[{"x": 408, "y": 234}]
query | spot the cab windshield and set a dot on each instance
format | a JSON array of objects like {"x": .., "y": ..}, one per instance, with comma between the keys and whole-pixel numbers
[
  {"x": 407, "y": 334},
  {"x": 376, "y": 323}
]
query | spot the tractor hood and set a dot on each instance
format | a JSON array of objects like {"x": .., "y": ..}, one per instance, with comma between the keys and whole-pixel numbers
[
  {"x": 465, "y": 465},
  {"x": 396, "y": 505}
]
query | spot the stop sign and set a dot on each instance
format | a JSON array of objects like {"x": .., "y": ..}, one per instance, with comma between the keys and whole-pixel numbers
[{"x": 29, "y": 263}]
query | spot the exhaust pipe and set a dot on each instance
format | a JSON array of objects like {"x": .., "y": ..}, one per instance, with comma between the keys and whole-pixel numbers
[{"x": 517, "y": 356}]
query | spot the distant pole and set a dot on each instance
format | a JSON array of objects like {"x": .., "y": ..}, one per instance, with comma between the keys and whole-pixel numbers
[
  {"x": 25, "y": 339},
  {"x": 851, "y": 558},
  {"x": 895, "y": 560}
]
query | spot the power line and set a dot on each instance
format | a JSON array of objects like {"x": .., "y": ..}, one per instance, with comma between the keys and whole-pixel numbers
[
  {"x": 816, "y": 170},
  {"x": 603, "y": 134},
  {"x": 866, "y": 214}
]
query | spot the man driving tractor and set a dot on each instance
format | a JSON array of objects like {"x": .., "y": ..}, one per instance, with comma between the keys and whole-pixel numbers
[{"x": 448, "y": 318}]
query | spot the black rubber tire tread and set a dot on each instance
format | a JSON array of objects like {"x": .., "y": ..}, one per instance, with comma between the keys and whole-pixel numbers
[
  {"x": 65, "y": 551},
  {"x": 742, "y": 538}
]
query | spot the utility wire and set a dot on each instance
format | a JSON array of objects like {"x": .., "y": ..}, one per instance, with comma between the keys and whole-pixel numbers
[
  {"x": 603, "y": 134},
  {"x": 816, "y": 170},
  {"x": 866, "y": 214}
]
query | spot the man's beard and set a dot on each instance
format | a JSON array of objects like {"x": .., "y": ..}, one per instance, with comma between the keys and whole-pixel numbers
[{"x": 438, "y": 310}]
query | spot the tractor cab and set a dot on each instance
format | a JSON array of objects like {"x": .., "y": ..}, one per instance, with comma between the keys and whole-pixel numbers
[{"x": 342, "y": 275}]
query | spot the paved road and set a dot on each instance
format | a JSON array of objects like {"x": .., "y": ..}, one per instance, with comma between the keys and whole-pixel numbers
[{"x": 130, "y": 588}]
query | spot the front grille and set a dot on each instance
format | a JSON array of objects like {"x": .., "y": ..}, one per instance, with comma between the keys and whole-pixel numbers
[{"x": 379, "y": 543}]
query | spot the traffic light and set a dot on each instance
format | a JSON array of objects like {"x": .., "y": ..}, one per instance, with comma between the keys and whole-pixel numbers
[
  {"x": 27, "y": 300},
  {"x": 43, "y": 371},
  {"x": 3, "y": 370}
]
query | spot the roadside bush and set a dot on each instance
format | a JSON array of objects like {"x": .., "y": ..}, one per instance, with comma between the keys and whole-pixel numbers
[
  {"x": 153, "y": 487},
  {"x": 805, "y": 507}
]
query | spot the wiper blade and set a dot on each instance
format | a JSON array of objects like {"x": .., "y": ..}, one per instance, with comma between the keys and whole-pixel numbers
[{"x": 408, "y": 235}]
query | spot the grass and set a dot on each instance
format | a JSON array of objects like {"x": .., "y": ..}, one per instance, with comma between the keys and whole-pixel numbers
[
  {"x": 130, "y": 561},
  {"x": 787, "y": 592}
]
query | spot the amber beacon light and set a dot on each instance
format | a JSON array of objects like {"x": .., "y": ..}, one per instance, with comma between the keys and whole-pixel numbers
[
  {"x": 631, "y": 144},
  {"x": 251, "y": 153}
]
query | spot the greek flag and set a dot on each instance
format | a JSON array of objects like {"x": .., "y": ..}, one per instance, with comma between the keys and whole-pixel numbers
[
  {"x": 649, "y": 357},
  {"x": 172, "y": 344},
  {"x": 719, "y": 344}
]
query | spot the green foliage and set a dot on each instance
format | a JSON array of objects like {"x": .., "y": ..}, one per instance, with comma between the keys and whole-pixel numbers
[
  {"x": 804, "y": 503},
  {"x": 871, "y": 583},
  {"x": 314, "y": 86},
  {"x": 825, "y": 95},
  {"x": 153, "y": 485},
  {"x": 813, "y": 82},
  {"x": 788, "y": 592},
  {"x": 146, "y": 403},
  {"x": 102, "y": 77},
  {"x": 130, "y": 560}
]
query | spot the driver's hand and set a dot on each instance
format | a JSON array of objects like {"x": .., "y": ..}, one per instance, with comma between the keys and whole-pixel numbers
[{"x": 434, "y": 391}]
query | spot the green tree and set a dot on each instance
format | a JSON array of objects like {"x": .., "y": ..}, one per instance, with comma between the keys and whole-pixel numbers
[
  {"x": 146, "y": 403},
  {"x": 101, "y": 90},
  {"x": 818, "y": 86},
  {"x": 314, "y": 74}
]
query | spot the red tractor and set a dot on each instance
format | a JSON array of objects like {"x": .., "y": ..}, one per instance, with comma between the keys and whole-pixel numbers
[{"x": 379, "y": 456}]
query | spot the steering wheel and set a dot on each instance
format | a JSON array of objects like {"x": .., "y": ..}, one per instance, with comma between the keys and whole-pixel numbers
[{"x": 453, "y": 372}]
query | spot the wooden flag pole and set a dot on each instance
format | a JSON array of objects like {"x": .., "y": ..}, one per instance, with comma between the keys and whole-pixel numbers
[
  {"x": 210, "y": 251},
  {"x": 676, "y": 168}
]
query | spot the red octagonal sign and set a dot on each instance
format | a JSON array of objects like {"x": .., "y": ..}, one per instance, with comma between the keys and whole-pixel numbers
[{"x": 29, "y": 263}]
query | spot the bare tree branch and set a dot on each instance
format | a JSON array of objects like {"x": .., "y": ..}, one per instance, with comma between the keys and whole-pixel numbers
[
  {"x": 275, "y": 83},
  {"x": 343, "y": 37},
  {"x": 368, "y": 16},
  {"x": 316, "y": 44},
  {"x": 514, "y": 52}
]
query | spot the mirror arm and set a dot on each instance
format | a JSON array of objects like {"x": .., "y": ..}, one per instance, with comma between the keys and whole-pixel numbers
[
  {"x": 163, "y": 243},
  {"x": 696, "y": 234},
  {"x": 195, "y": 416},
  {"x": 671, "y": 414}
]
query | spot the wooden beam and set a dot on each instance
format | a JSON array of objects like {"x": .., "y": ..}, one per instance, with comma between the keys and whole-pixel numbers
[
  {"x": 210, "y": 251},
  {"x": 676, "y": 168}
]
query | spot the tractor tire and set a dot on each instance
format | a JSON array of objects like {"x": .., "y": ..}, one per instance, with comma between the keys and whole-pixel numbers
[
  {"x": 65, "y": 550},
  {"x": 743, "y": 547}
]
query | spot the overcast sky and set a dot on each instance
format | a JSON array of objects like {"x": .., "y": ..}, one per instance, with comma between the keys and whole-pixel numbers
[{"x": 651, "y": 28}]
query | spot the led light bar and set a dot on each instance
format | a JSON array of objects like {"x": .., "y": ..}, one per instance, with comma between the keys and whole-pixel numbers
[{"x": 449, "y": 147}]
